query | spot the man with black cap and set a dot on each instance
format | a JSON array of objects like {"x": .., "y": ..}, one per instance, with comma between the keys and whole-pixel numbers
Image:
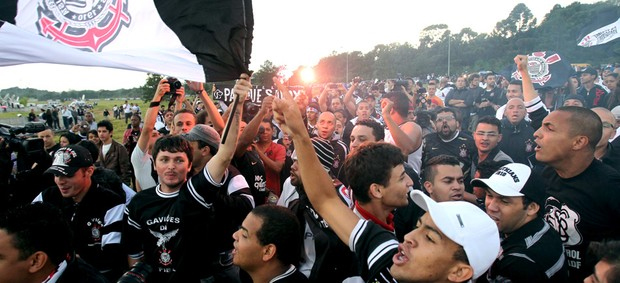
[
  {"x": 594, "y": 94},
  {"x": 514, "y": 200},
  {"x": 94, "y": 213}
]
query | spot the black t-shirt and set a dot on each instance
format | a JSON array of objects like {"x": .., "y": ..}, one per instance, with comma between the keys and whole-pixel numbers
[
  {"x": 253, "y": 170},
  {"x": 494, "y": 96},
  {"x": 612, "y": 157},
  {"x": 533, "y": 253},
  {"x": 462, "y": 147},
  {"x": 517, "y": 141},
  {"x": 172, "y": 230},
  {"x": 596, "y": 96},
  {"x": 583, "y": 209},
  {"x": 369, "y": 240}
]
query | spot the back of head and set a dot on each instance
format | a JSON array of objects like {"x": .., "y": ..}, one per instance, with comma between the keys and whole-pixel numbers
[
  {"x": 401, "y": 102},
  {"x": 280, "y": 228},
  {"x": 584, "y": 122},
  {"x": 371, "y": 163},
  {"x": 38, "y": 227}
]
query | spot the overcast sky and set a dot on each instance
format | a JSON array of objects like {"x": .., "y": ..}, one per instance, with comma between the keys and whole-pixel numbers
[{"x": 294, "y": 33}]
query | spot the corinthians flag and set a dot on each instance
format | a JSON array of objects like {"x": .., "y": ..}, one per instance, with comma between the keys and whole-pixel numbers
[{"x": 199, "y": 40}]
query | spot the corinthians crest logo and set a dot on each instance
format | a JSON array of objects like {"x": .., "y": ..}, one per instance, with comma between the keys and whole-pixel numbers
[
  {"x": 538, "y": 67},
  {"x": 85, "y": 24}
]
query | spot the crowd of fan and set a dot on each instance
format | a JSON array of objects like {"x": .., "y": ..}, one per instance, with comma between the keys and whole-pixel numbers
[{"x": 483, "y": 178}]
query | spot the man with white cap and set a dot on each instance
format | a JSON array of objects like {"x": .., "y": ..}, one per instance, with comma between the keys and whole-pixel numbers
[
  {"x": 514, "y": 200},
  {"x": 455, "y": 241}
]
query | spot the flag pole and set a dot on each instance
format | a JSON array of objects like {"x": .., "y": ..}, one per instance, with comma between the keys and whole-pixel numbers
[{"x": 230, "y": 117}]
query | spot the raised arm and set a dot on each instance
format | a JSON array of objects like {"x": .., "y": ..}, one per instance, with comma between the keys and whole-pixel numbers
[
  {"x": 323, "y": 98},
  {"x": 251, "y": 129},
  {"x": 216, "y": 117},
  {"x": 529, "y": 93},
  {"x": 408, "y": 136},
  {"x": 320, "y": 189},
  {"x": 348, "y": 100},
  {"x": 151, "y": 115},
  {"x": 533, "y": 104},
  {"x": 218, "y": 164}
]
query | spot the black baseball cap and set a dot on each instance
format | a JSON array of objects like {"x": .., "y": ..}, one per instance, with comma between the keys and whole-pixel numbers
[
  {"x": 589, "y": 70},
  {"x": 69, "y": 159}
]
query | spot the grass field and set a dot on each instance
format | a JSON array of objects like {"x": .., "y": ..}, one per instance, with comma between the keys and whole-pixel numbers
[{"x": 119, "y": 125}]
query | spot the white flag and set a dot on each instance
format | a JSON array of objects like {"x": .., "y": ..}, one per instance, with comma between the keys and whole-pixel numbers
[
  {"x": 602, "y": 35},
  {"x": 168, "y": 37}
]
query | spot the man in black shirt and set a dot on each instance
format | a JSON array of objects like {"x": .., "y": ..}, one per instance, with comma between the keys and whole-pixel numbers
[
  {"x": 267, "y": 245},
  {"x": 171, "y": 225},
  {"x": 607, "y": 152},
  {"x": 518, "y": 135},
  {"x": 455, "y": 241},
  {"x": 583, "y": 202},
  {"x": 594, "y": 94},
  {"x": 450, "y": 141},
  {"x": 514, "y": 200},
  {"x": 49, "y": 143},
  {"x": 490, "y": 99},
  {"x": 35, "y": 247},
  {"x": 95, "y": 213}
]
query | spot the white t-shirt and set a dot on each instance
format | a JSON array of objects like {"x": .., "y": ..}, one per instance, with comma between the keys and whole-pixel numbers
[{"x": 141, "y": 163}]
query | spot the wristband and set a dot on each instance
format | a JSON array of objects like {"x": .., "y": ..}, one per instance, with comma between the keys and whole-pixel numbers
[
  {"x": 154, "y": 104},
  {"x": 199, "y": 92}
]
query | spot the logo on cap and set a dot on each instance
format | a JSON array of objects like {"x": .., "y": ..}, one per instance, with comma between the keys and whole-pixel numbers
[{"x": 506, "y": 171}]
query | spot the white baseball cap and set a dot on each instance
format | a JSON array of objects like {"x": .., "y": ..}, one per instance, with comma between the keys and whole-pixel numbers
[
  {"x": 466, "y": 225},
  {"x": 515, "y": 180}
]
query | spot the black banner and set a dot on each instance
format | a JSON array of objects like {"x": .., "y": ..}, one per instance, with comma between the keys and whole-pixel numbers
[{"x": 224, "y": 93}]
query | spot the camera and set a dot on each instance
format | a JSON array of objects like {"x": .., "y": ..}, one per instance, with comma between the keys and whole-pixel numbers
[
  {"x": 174, "y": 85},
  {"x": 137, "y": 274},
  {"x": 333, "y": 86},
  {"x": 250, "y": 109},
  {"x": 30, "y": 146},
  {"x": 357, "y": 80}
]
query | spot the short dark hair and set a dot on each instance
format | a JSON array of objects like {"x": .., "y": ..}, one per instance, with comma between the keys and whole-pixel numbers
[
  {"x": 517, "y": 82},
  {"x": 371, "y": 163},
  {"x": 429, "y": 172},
  {"x": 94, "y": 132},
  {"x": 137, "y": 115},
  {"x": 471, "y": 77},
  {"x": 91, "y": 147},
  {"x": 105, "y": 123},
  {"x": 487, "y": 75},
  {"x": 281, "y": 228},
  {"x": 401, "y": 102},
  {"x": 377, "y": 130},
  {"x": 201, "y": 117},
  {"x": 71, "y": 137},
  {"x": 38, "y": 227},
  {"x": 491, "y": 120},
  {"x": 608, "y": 251},
  {"x": 488, "y": 167},
  {"x": 584, "y": 122},
  {"x": 267, "y": 120},
  {"x": 172, "y": 144}
]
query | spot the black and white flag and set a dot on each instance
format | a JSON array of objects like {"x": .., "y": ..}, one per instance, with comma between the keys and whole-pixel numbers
[{"x": 199, "y": 40}]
